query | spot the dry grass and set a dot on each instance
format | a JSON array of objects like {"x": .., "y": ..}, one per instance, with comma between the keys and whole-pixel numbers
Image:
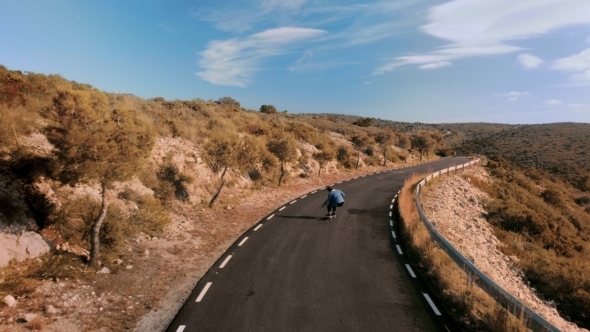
[{"x": 470, "y": 306}]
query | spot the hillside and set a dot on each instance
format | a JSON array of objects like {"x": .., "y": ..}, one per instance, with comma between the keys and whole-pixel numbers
[
  {"x": 170, "y": 185},
  {"x": 561, "y": 149}
]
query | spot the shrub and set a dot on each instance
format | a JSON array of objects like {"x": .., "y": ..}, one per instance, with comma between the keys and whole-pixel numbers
[{"x": 268, "y": 109}]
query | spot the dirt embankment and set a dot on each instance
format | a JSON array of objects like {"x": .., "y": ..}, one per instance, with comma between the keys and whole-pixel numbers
[{"x": 455, "y": 207}]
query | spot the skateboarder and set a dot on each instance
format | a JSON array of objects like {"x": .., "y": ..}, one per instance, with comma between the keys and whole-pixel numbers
[{"x": 335, "y": 198}]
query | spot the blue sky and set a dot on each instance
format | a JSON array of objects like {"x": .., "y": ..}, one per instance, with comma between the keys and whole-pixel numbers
[{"x": 506, "y": 61}]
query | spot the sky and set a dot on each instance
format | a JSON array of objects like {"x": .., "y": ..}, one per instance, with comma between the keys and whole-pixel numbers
[{"x": 501, "y": 61}]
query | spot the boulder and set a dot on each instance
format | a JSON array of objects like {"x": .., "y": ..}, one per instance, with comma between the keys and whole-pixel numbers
[{"x": 9, "y": 300}]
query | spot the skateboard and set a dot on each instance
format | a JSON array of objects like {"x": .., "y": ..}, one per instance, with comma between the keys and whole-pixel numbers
[{"x": 330, "y": 217}]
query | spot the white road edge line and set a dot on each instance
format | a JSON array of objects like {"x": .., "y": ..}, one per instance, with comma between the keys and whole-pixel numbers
[
  {"x": 390, "y": 213},
  {"x": 303, "y": 196},
  {"x": 281, "y": 209},
  {"x": 204, "y": 291},
  {"x": 391, "y": 206},
  {"x": 257, "y": 227},
  {"x": 393, "y": 234},
  {"x": 272, "y": 215},
  {"x": 390, "y": 222},
  {"x": 293, "y": 202},
  {"x": 313, "y": 192},
  {"x": 399, "y": 249},
  {"x": 244, "y": 240},
  {"x": 429, "y": 300},
  {"x": 180, "y": 328},
  {"x": 410, "y": 270},
  {"x": 225, "y": 261},
  {"x": 393, "y": 200}
]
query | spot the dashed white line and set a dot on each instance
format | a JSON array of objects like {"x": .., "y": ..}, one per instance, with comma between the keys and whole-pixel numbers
[
  {"x": 410, "y": 270},
  {"x": 272, "y": 215},
  {"x": 293, "y": 202},
  {"x": 257, "y": 227},
  {"x": 322, "y": 188},
  {"x": 390, "y": 222},
  {"x": 399, "y": 249},
  {"x": 394, "y": 237},
  {"x": 204, "y": 291},
  {"x": 313, "y": 192},
  {"x": 225, "y": 262},
  {"x": 303, "y": 196},
  {"x": 281, "y": 209},
  {"x": 434, "y": 308},
  {"x": 393, "y": 200},
  {"x": 180, "y": 328},
  {"x": 244, "y": 240},
  {"x": 391, "y": 206},
  {"x": 390, "y": 213}
]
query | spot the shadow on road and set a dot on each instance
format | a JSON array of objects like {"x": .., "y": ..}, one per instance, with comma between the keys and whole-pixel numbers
[{"x": 301, "y": 217}]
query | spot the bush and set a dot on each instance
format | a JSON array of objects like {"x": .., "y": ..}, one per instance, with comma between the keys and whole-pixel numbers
[{"x": 268, "y": 109}]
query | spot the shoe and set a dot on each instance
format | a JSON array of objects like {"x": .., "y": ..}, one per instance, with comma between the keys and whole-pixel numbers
[{"x": 328, "y": 215}]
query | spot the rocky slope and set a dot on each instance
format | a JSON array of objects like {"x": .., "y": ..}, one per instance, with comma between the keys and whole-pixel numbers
[{"x": 454, "y": 205}]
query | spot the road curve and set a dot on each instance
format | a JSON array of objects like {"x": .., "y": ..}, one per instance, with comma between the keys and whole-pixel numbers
[{"x": 294, "y": 271}]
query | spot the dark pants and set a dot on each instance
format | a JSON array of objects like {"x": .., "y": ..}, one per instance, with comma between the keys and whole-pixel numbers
[{"x": 333, "y": 208}]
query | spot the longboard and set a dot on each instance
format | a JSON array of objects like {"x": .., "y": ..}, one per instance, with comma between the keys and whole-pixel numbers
[{"x": 330, "y": 217}]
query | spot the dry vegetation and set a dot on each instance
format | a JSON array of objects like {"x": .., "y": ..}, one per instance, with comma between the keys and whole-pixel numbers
[
  {"x": 75, "y": 158},
  {"x": 471, "y": 307},
  {"x": 545, "y": 223}
]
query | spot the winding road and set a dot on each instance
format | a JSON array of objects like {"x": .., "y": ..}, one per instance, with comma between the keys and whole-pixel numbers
[{"x": 295, "y": 271}]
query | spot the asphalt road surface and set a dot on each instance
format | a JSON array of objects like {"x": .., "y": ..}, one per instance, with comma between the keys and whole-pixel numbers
[{"x": 295, "y": 271}]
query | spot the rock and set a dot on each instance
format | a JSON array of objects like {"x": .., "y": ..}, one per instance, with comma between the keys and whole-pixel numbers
[
  {"x": 104, "y": 270},
  {"x": 146, "y": 252},
  {"x": 22, "y": 246},
  {"x": 50, "y": 309},
  {"x": 29, "y": 317},
  {"x": 118, "y": 261},
  {"x": 9, "y": 300},
  {"x": 129, "y": 267}
]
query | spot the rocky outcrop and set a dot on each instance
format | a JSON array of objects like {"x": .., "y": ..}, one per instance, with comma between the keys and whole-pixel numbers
[{"x": 22, "y": 246}]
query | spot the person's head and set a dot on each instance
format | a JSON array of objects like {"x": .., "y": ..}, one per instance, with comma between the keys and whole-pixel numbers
[{"x": 329, "y": 188}]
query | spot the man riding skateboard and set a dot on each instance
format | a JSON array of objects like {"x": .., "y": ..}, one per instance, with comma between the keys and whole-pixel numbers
[{"x": 335, "y": 198}]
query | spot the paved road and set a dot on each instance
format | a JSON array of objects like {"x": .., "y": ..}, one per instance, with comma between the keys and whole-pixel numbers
[{"x": 294, "y": 271}]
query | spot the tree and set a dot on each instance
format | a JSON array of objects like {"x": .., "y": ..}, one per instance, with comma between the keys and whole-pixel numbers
[
  {"x": 94, "y": 144},
  {"x": 229, "y": 102},
  {"x": 283, "y": 147},
  {"x": 384, "y": 139},
  {"x": 324, "y": 156},
  {"x": 226, "y": 151},
  {"x": 423, "y": 142},
  {"x": 268, "y": 109},
  {"x": 364, "y": 122},
  {"x": 404, "y": 142},
  {"x": 359, "y": 142}
]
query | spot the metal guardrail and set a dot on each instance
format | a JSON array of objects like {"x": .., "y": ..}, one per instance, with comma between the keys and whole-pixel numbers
[{"x": 530, "y": 318}]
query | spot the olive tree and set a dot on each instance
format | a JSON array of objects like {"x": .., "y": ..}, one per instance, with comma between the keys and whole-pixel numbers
[
  {"x": 359, "y": 142},
  {"x": 384, "y": 139},
  {"x": 283, "y": 147},
  {"x": 324, "y": 156},
  {"x": 95, "y": 144},
  {"x": 227, "y": 151}
]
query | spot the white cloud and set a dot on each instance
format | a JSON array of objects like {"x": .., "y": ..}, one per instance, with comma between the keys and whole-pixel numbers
[
  {"x": 513, "y": 95},
  {"x": 483, "y": 27},
  {"x": 553, "y": 102},
  {"x": 529, "y": 61},
  {"x": 576, "y": 105},
  {"x": 281, "y": 4},
  {"x": 435, "y": 65},
  {"x": 234, "y": 61},
  {"x": 302, "y": 62},
  {"x": 588, "y": 40},
  {"x": 578, "y": 65}
]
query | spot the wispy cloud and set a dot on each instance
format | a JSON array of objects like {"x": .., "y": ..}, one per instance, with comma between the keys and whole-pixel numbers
[
  {"x": 233, "y": 62},
  {"x": 578, "y": 65},
  {"x": 302, "y": 62},
  {"x": 435, "y": 65},
  {"x": 529, "y": 61},
  {"x": 166, "y": 27},
  {"x": 575, "y": 105},
  {"x": 512, "y": 95},
  {"x": 483, "y": 27},
  {"x": 553, "y": 102}
]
